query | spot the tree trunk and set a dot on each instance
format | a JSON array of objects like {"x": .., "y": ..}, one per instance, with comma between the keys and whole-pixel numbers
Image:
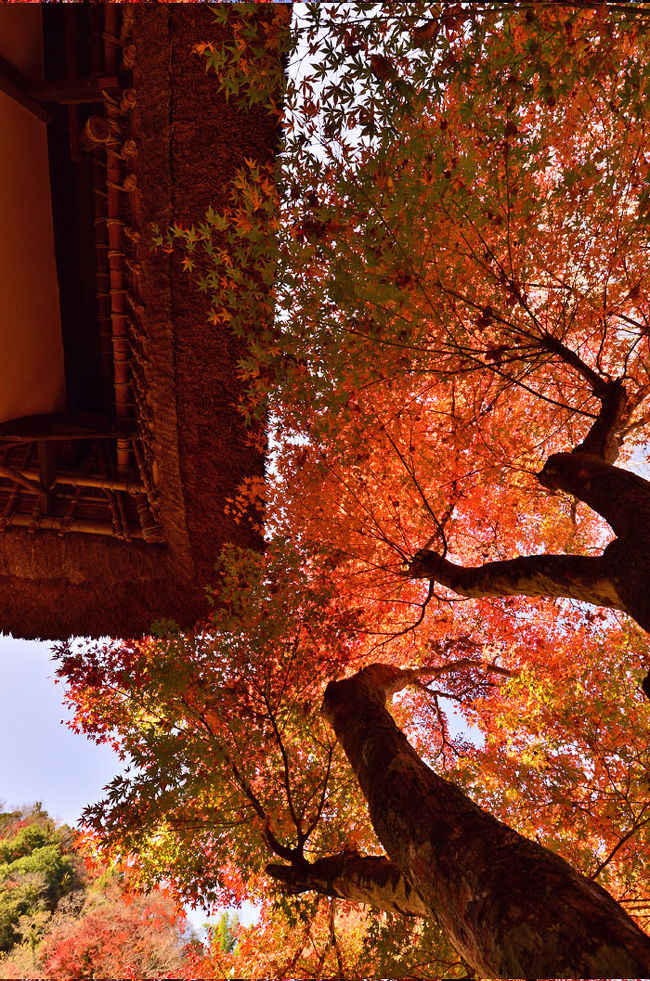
[{"x": 511, "y": 908}]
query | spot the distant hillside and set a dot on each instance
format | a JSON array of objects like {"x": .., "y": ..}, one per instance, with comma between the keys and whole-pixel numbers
[{"x": 64, "y": 915}]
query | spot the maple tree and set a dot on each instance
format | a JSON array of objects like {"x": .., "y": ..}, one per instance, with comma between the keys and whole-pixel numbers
[
  {"x": 64, "y": 913},
  {"x": 459, "y": 358},
  {"x": 114, "y": 937}
]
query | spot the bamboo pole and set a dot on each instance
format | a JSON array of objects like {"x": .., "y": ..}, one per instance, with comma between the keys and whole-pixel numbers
[
  {"x": 151, "y": 531},
  {"x": 114, "y": 515},
  {"x": 124, "y": 524},
  {"x": 102, "y": 277},
  {"x": 34, "y": 523},
  {"x": 121, "y": 374},
  {"x": 67, "y": 519},
  {"x": 96, "y": 132},
  {"x": 49, "y": 522},
  {"x": 18, "y": 477},
  {"x": 151, "y": 528},
  {"x": 9, "y": 507},
  {"x": 15, "y": 491},
  {"x": 132, "y": 487}
]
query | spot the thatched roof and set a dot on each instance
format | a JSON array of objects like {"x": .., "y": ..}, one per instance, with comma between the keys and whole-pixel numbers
[{"x": 193, "y": 448}]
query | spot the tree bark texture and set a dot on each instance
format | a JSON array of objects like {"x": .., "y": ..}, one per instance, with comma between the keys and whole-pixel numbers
[
  {"x": 368, "y": 879},
  {"x": 574, "y": 576},
  {"x": 511, "y": 908}
]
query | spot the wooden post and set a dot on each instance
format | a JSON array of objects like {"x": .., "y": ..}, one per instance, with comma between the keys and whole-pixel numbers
[{"x": 47, "y": 473}]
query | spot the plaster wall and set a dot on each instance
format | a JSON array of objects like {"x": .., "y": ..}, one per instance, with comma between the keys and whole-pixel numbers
[{"x": 32, "y": 379}]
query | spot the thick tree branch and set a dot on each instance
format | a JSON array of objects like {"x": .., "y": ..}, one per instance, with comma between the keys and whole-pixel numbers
[
  {"x": 578, "y": 577},
  {"x": 618, "y": 578},
  {"x": 622, "y": 498},
  {"x": 371, "y": 880},
  {"x": 510, "y": 907},
  {"x": 554, "y": 346},
  {"x": 603, "y": 439}
]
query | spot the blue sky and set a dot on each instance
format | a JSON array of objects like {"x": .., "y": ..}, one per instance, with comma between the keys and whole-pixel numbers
[{"x": 40, "y": 758}]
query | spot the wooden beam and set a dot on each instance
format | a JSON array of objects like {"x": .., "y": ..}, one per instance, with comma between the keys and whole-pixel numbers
[
  {"x": 60, "y": 426},
  {"x": 76, "y": 91},
  {"x": 18, "y": 88}
]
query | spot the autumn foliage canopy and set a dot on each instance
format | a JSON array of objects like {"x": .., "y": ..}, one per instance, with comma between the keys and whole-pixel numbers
[{"x": 444, "y": 283}]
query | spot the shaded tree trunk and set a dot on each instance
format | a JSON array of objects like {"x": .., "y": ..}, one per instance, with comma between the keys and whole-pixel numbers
[{"x": 510, "y": 907}]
